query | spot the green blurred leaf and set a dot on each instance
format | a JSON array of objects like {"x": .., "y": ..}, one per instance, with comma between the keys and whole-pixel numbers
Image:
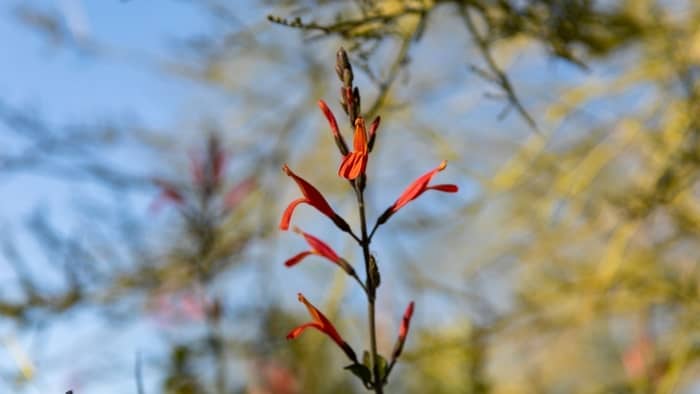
[{"x": 361, "y": 372}]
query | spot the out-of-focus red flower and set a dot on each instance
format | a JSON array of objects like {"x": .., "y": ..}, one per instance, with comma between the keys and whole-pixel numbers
[
  {"x": 403, "y": 330},
  {"x": 238, "y": 192},
  {"x": 197, "y": 168},
  {"x": 208, "y": 171},
  {"x": 637, "y": 359},
  {"x": 168, "y": 193},
  {"x": 319, "y": 248},
  {"x": 173, "y": 308},
  {"x": 312, "y": 197},
  {"x": 274, "y": 378},
  {"x": 415, "y": 189},
  {"x": 321, "y": 323},
  {"x": 354, "y": 163}
]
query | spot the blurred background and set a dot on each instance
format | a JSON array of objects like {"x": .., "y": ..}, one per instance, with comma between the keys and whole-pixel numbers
[{"x": 142, "y": 145}]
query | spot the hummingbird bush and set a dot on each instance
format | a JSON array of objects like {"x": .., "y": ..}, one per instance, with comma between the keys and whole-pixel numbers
[{"x": 373, "y": 368}]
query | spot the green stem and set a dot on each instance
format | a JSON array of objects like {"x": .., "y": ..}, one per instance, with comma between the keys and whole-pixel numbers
[{"x": 371, "y": 294}]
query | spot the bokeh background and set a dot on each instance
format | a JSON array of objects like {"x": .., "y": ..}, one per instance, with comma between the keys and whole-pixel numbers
[{"x": 142, "y": 145}]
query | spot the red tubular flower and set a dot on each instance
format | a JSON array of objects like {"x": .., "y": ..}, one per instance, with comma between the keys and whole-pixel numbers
[
  {"x": 319, "y": 248},
  {"x": 238, "y": 192},
  {"x": 321, "y": 323},
  {"x": 403, "y": 330},
  {"x": 418, "y": 187},
  {"x": 339, "y": 141},
  {"x": 312, "y": 197},
  {"x": 355, "y": 162}
]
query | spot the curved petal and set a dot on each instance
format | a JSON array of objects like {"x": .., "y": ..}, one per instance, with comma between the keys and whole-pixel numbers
[
  {"x": 287, "y": 215},
  {"x": 313, "y": 196},
  {"x": 297, "y": 258},
  {"x": 298, "y": 330},
  {"x": 359, "y": 141},
  {"x": 323, "y": 323},
  {"x": 320, "y": 247},
  {"x": 353, "y": 165}
]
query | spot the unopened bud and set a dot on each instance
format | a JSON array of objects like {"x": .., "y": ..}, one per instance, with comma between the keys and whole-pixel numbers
[
  {"x": 341, "y": 223},
  {"x": 349, "y": 352},
  {"x": 385, "y": 216},
  {"x": 346, "y": 266},
  {"x": 373, "y": 132},
  {"x": 403, "y": 331}
]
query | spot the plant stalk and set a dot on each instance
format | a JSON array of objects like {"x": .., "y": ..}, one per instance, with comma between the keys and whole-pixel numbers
[{"x": 371, "y": 293}]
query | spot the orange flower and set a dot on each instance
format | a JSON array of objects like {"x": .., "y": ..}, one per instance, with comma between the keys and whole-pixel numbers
[
  {"x": 418, "y": 187},
  {"x": 319, "y": 248},
  {"x": 403, "y": 330},
  {"x": 321, "y": 323},
  {"x": 355, "y": 162},
  {"x": 312, "y": 197}
]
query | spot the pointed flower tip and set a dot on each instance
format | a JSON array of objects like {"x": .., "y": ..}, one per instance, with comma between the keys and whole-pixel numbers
[
  {"x": 443, "y": 165},
  {"x": 409, "y": 310},
  {"x": 330, "y": 117},
  {"x": 406, "y": 322},
  {"x": 375, "y": 125},
  {"x": 286, "y": 170}
]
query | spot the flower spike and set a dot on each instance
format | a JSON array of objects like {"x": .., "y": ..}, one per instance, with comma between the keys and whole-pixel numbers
[
  {"x": 355, "y": 163},
  {"x": 312, "y": 197},
  {"x": 319, "y": 248},
  {"x": 321, "y": 323},
  {"x": 418, "y": 187}
]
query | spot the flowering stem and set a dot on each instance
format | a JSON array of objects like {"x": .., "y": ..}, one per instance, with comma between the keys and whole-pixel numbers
[
  {"x": 388, "y": 370},
  {"x": 352, "y": 234},
  {"x": 359, "y": 281},
  {"x": 371, "y": 290},
  {"x": 371, "y": 234}
]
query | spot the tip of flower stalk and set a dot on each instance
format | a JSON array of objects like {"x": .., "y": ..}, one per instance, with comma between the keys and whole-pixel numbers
[
  {"x": 442, "y": 165},
  {"x": 286, "y": 170},
  {"x": 409, "y": 310}
]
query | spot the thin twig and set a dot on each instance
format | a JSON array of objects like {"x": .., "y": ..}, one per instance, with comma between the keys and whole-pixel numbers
[{"x": 496, "y": 75}]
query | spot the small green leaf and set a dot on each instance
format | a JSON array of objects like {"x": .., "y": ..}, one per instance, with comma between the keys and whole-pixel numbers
[
  {"x": 375, "y": 278},
  {"x": 361, "y": 372},
  {"x": 366, "y": 359},
  {"x": 381, "y": 366}
]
